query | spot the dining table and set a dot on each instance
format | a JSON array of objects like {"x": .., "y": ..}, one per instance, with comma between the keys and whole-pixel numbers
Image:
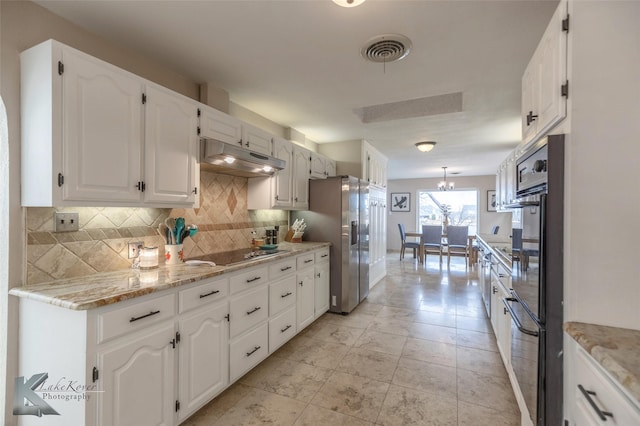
[{"x": 471, "y": 239}]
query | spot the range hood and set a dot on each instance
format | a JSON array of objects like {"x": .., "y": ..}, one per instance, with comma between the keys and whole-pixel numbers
[{"x": 228, "y": 159}]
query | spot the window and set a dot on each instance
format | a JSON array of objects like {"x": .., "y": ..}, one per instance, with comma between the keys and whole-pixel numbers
[{"x": 462, "y": 208}]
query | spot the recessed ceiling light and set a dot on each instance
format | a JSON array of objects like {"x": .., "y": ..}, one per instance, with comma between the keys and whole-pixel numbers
[
  {"x": 425, "y": 146},
  {"x": 348, "y": 3}
]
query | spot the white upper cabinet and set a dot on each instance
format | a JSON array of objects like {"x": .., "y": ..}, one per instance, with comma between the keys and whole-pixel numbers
[
  {"x": 330, "y": 167},
  {"x": 257, "y": 140},
  {"x": 301, "y": 164},
  {"x": 374, "y": 166},
  {"x": 171, "y": 141},
  {"x": 83, "y": 139},
  {"x": 321, "y": 166},
  {"x": 282, "y": 182},
  {"x": 544, "y": 83},
  {"x": 217, "y": 125}
]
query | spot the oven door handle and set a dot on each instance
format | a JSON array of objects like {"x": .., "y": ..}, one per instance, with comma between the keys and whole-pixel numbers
[{"x": 515, "y": 318}]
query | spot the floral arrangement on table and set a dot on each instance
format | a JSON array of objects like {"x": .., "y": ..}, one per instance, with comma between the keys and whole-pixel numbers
[{"x": 446, "y": 210}]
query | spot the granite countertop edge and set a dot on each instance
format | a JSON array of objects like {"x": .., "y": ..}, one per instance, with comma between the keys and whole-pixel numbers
[
  {"x": 617, "y": 350},
  {"x": 101, "y": 289},
  {"x": 493, "y": 243}
]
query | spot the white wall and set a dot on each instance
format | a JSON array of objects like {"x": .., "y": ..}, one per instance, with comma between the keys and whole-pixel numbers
[
  {"x": 481, "y": 183},
  {"x": 602, "y": 272}
]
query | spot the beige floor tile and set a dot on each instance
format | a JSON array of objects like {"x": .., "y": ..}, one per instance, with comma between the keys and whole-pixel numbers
[
  {"x": 334, "y": 333},
  {"x": 368, "y": 308},
  {"x": 392, "y": 312},
  {"x": 430, "y": 351},
  {"x": 287, "y": 378},
  {"x": 477, "y": 340},
  {"x": 381, "y": 342},
  {"x": 473, "y": 323},
  {"x": 367, "y": 363},
  {"x": 314, "y": 415},
  {"x": 313, "y": 352},
  {"x": 210, "y": 413},
  {"x": 474, "y": 415},
  {"x": 482, "y": 361},
  {"x": 404, "y": 406},
  {"x": 354, "y": 319},
  {"x": 425, "y": 376},
  {"x": 435, "y": 318},
  {"x": 352, "y": 395},
  {"x": 259, "y": 407},
  {"x": 490, "y": 391},
  {"x": 390, "y": 325},
  {"x": 436, "y": 333}
]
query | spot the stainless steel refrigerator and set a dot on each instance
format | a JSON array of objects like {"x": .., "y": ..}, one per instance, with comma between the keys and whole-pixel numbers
[{"x": 339, "y": 213}]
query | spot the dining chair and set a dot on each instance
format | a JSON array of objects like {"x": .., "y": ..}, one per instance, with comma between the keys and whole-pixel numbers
[
  {"x": 516, "y": 246},
  {"x": 432, "y": 240},
  {"x": 458, "y": 242},
  {"x": 406, "y": 244}
]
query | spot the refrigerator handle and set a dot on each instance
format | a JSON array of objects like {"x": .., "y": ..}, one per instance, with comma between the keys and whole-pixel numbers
[{"x": 354, "y": 232}]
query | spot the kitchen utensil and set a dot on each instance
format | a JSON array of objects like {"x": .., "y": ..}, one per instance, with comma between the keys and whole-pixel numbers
[
  {"x": 178, "y": 229},
  {"x": 170, "y": 223}
]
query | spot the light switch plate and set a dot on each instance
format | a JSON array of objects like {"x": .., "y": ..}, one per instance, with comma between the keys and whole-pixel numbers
[{"x": 66, "y": 222}]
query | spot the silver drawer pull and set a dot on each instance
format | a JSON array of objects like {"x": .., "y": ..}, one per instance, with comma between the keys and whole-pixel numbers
[
  {"x": 202, "y": 296},
  {"x": 286, "y": 268},
  {"x": 308, "y": 260},
  {"x": 285, "y": 329},
  {"x": 253, "y": 279},
  {"x": 257, "y": 348},
  {"x": 286, "y": 295},
  {"x": 587, "y": 394},
  {"x": 257, "y": 308},
  {"x": 144, "y": 316}
]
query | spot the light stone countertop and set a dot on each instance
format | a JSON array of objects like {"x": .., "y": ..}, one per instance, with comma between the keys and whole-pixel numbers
[
  {"x": 500, "y": 245},
  {"x": 617, "y": 350},
  {"x": 102, "y": 289}
]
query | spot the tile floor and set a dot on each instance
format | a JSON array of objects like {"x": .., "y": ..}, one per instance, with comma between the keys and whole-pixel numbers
[{"x": 418, "y": 351}]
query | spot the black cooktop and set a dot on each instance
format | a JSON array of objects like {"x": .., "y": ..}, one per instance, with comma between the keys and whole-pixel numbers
[{"x": 234, "y": 256}]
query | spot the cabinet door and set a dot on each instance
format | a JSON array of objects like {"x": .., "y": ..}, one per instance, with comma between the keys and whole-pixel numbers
[
  {"x": 217, "y": 125},
  {"x": 530, "y": 99},
  {"x": 300, "y": 178},
  {"x": 305, "y": 298},
  {"x": 256, "y": 139},
  {"x": 330, "y": 168},
  {"x": 318, "y": 165},
  {"x": 504, "y": 328},
  {"x": 321, "y": 289},
  {"x": 552, "y": 106},
  {"x": 171, "y": 139},
  {"x": 204, "y": 357},
  {"x": 282, "y": 181},
  {"x": 102, "y": 130},
  {"x": 138, "y": 380}
]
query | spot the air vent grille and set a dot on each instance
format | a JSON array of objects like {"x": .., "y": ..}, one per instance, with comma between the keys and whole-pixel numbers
[{"x": 386, "y": 48}]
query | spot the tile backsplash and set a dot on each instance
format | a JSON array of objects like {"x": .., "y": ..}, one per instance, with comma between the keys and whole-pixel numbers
[{"x": 100, "y": 245}]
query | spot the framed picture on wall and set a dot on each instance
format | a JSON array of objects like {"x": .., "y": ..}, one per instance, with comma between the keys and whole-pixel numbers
[
  {"x": 492, "y": 203},
  {"x": 400, "y": 202}
]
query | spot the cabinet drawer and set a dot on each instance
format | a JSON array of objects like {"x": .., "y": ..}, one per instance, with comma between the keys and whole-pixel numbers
[
  {"x": 608, "y": 396},
  {"x": 322, "y": 255},
  {"x": 248, "y": 310},
  {"x": 282, "y": 328},
  {"x": 248, "y": 351},
  {"x": 210, "y": 291},
  {"x": 305, "y": 260},
  {"x": 249, "y": 279},
  {"x": 282, "y": 269},
  {"x": 282, "y": 294},
  {"x": 135, "y": 316}
]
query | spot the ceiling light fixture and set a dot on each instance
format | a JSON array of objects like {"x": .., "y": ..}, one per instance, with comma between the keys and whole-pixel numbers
[
  {"x": 348, "y": 3},
  {"x": 425, "y": 146},
  {"x": 444, "y": 185}
]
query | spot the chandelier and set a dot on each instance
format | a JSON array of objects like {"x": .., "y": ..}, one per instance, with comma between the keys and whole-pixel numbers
[{"x": 444, "y": 185}]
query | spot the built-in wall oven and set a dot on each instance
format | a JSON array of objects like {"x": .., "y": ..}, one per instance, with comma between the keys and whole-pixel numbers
[{"x": 535, "y": 304}]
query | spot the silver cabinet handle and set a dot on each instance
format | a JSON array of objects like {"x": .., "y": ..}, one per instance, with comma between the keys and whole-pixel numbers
[
  {"x": 285, "y": 329},
  {"x": 256, "y": 348},
  {"x": 256, "y": 309},
  {"x": 286, "y": 294}
]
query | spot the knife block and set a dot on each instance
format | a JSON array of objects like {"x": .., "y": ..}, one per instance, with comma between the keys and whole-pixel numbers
[{"x": 289, "y": 236}]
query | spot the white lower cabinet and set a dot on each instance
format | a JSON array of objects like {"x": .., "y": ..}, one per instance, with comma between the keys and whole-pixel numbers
[
  {"x": 305, "y": 297},
  {"x": 157, "y": 359},
  {"x": 247, "y": 351},
  {"x": 138, "y": 380},
  {"x": 203, "y": 357},
  {"x": 593, "y": 397}
]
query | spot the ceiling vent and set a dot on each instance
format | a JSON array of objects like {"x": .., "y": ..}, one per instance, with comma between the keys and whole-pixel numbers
[{"x": 386, "y": 48}]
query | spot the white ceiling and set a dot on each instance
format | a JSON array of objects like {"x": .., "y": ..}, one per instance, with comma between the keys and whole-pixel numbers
[{"x": 298, "y": 64}]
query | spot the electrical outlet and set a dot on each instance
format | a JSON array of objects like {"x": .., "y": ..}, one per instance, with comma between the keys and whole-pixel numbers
[
  {"x": 135, "y": 248},
  {"x": 65, "y": 222}
]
